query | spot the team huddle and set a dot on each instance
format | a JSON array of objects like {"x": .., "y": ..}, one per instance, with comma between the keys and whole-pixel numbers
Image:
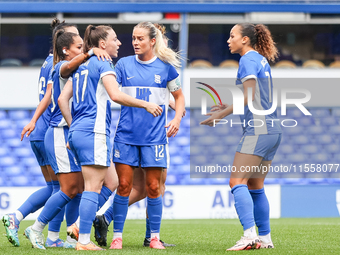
[{"x": 70, "y": 135}]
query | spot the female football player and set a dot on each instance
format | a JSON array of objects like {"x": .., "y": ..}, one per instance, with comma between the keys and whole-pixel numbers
[
  {"x": 259, "y": 143},
  {"x": 67, "y": 46},
  {"x": 140, "y": 140},
  {"x": 89, "y": 136},
  {"x": 36, "y": 129}
]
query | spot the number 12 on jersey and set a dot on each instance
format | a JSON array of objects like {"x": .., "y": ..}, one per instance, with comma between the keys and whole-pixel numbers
[
  {"x": 159, "y": 151},
  {"x": 84, "y": 74}
]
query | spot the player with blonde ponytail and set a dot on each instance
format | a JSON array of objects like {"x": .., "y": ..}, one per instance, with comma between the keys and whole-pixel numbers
[{"x": 140, "y": 139}]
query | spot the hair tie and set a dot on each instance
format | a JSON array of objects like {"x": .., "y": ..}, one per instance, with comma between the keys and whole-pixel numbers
[{"x": 93, "y": 28}]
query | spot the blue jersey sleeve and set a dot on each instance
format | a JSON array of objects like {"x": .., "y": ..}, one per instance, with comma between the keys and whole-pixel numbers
[
  {"x": 119, "y": 68},
  {"x": 247, "y": 69},
  {"x": 172, "y": 73},
  {"x": 105, "y": 68}
]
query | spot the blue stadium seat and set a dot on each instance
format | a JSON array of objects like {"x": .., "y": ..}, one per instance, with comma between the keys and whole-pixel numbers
[
  {"x": 300, "y": 140},
  {"x": 20, "y": 124},
  {"x": 329, "y": 121},
  {"x": 9, "y": 133},
  {"x": 187, "y": 180},
  {"x": 15, "y": 143},
  {"x": 7, "y": 161},
  {"x": 286, "y": 149},
  {"x": 13, "y": 170},
  {"x": 171, "y": 179},
  {"x": 23, "y": 152},
  {"x": 320, "y": 113},
  {"x": 217, "y": 181},
  {"x": 334, "y": 130},
  {"x": 29, "y": 162},
  {"x": 37, "y": 180},
  {"x": 315, "y": 130},
  {"x": 20, "y": 181},
  {"x": 320, "y": 158},
  {"x": 177, "y": 160},
  {"x": 296, "y": 158},
  {"x": 182, "y": 141},
  {"x": 310, "y": 148},
  {"x": 18, "y": 114},
  {"x": 332, "y": 148},
  {"x": 336, "y": 111},
  {"x": 3, "y": 115},
  {"x": 224, "y": 159},
  {"x": 5, "y": 123},
  {"x": 305, "y": 121},
  {"x": 324, "y": 139},
  {"x": 34, "y": 170},
  {"x": 232, "y": 140},
  {"x": 4, "y": 151},
  {"x": 293, "y": 130},
  {"x": 294, "y": 113}
]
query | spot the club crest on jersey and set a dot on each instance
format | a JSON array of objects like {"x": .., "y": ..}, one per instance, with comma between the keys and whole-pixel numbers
[
  {"x": 158, "y": 79},
  {"x": 117, "y": 154}
]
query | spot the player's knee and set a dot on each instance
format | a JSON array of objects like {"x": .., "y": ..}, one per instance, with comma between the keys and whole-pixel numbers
[
  {"x": 153, "y": 189},
  {"x": 124, "y": 187},
  {"x": 71, "y": 191}
]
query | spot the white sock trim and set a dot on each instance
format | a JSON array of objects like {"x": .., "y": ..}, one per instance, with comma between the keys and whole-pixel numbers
[
  {"x": 117, "y": 235},
  {"x": 53, "y": 236},
  {"x": 38, "y": 226},
  {"x": 155, "y": 235},
  {"x": 266, "y": 238},
  {"x": 84, "y": 238},
  {"x": 250, "y": 232},
  {"x": 19, "y": 215}
]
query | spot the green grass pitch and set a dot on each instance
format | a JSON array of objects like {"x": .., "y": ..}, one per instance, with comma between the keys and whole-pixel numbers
[{"x": 290, "y": 236}]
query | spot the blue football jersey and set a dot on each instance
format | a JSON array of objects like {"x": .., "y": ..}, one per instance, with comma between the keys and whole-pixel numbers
[
  {"x": 252, "y": 65},
  {"x": 91, "y": 104},
  {"x": 38, "y": 134},
  {"x": 57, "y": 119},
  {"x": 145, "y": 80}
]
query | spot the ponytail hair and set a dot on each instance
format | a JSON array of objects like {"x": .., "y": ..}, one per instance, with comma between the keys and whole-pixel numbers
[
  {"x": 61, "y": 39},
  {"x": 260, "y": 39},
  {"x": 58, "y": 25},
  {"x": 164, "y": 53},
  {"x": 93, "y": 34}
]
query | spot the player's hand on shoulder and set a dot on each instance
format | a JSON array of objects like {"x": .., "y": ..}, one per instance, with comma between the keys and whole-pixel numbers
[
  {"x": 154, "y": 109},
  {"x": 218, "y": 107},
  {"x": 101, "y": 54},
  {"x": 27, "y": 129},
  {"x": 173, "y": 128}
]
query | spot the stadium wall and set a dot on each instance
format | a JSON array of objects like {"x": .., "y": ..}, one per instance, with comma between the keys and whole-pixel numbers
[{"x": 214, "y": 201}]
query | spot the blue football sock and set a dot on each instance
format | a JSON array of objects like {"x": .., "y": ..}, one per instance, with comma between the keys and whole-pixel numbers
[
  {"x": 148, "y": 231},
  {"x": 244, "y": 205},
  {"x": 120, "y": 208},
  {"x": 87, "y": 211},
  {"x": 53, "y": 206},
  {"x": 36, "y": 200},
  {"x": 54, "y": 224},
  {"x": 72, "y": 210},
  {"x": 104, "y": 195},
  {"x": 261, "y": 211},
  {"x": 109, "y": 214},
  {"x": 155, "y": 208}
]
